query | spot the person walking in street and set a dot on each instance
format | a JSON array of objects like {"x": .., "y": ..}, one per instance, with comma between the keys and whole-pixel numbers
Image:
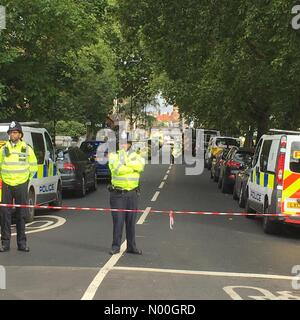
[
  {"x": 126, "y": 167},
  {"x": 18, "y": 165}
]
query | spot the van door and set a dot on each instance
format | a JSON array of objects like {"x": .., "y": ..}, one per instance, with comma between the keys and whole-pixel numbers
[
  {"x": 50, "y": 168},
  {"x": 291, "y": 178},
  {"x": 253, "y": 183}
]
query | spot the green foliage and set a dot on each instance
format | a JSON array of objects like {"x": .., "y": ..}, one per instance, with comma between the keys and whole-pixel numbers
[
  {"x": 231, "y": 65},
  {"x": 70, "y": 128}
]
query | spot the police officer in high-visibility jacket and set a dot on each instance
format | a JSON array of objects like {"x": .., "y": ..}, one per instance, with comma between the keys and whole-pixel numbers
[
  {"x": 125, "y": 166},
  {"x": 18, "y": 165}
]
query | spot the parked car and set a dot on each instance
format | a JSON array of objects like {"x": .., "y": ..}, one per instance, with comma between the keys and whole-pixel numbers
[
  {"x": 78, "y": 172},
  {"x": 93, "y": 149},
  {"x": 240, "y": 185},
  {"x": 217, "y": 162},
  {"x": 236, "y": 160},
  {"x": 217, "y": 143}
]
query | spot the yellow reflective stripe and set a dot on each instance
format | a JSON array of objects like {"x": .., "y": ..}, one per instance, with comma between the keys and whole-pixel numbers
[
  {"x": 254, "y": 176},
  {"x": 50, "y": 171},
  {"x": 125, "y": 179},
  {"x": 14, "y": 171},
  {"x": 15, "y": 163},
  {"x": 261, "y": 179},
  {"x": 40, "y": 172},
  {"x": 271, "y": 180}
]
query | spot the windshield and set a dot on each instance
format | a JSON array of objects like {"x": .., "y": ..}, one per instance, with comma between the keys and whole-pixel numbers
[
  {"x": 90, "y": 146},
  {"x": 221, "y": 142}
]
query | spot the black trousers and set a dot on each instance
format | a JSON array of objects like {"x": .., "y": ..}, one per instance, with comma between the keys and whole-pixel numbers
[
  {"x": 129, "y": 201},
  {"x": 20, "y": 194}
]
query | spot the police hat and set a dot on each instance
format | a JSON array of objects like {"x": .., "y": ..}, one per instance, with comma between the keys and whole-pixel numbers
[{"x": 15, "y": 126}]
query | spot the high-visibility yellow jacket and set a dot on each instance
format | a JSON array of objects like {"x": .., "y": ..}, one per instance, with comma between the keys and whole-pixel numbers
[
  {"x": 125, "y": 168},
  {"x": 17, "y": 163}
]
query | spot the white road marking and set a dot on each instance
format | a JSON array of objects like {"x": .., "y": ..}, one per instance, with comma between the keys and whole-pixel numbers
[
  {"x": 59, "y": 223},
  {"x": 95, "y": 284},
  {"x": 144, "y": 216},
  {"x": 209, "y": 273},
  {"x": 161, "y": 185},
  {"x": 155, "y": 196},
  {"x": 165, "y": 177}
]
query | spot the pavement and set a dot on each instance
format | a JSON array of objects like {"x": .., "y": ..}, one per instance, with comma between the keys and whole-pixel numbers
[{"x": 202, "y": 258}]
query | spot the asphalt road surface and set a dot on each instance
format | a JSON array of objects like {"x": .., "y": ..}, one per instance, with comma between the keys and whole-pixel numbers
[{"x": 203, "y": 257}]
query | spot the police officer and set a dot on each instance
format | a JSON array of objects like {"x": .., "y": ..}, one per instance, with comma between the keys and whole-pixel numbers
[
  {"x": 18, "y": 165},
  {"x": 125, "y": 166}
]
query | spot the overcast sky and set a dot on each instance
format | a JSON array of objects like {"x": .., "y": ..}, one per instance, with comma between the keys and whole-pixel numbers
[{"x": 164, "y": 108}]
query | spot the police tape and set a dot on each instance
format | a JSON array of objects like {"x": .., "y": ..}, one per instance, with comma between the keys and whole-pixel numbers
[{"x": 170, "y": 212}]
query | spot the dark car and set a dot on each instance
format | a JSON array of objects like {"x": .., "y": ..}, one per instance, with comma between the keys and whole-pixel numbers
[
  {"x": 78, "y": 172},
  {"x": 240, "y": 186},
  {"x": 97, "y": 150},
  {"x": 236, "y": 160},
  {"x": 216, "y": 163}
]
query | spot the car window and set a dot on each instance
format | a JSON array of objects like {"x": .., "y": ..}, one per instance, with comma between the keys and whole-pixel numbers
[
  {"x": 38, "y": 146},
  {"x": 66, "y": 156},
  {"x": 264, "y": 156},
  {"x": 273, "y": 156},
  {"x": 49, "y": 145},
  {"x": 295, "y": 157},
  {"x": 243, "y": 157},
  {"x": 81, "y": 155},
  {"x": 72, "y": 155},
  {"x": 256, "y": 153}
]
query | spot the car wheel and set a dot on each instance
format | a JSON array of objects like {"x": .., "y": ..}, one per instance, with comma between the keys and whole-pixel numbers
[
  {"x": 224, "y": 186},
  {"x": 219, "y": 182},
  {"x": 58, "y": 201},
  {"x": 270, "y": 226},
  {"x": 95, "y": 184},
  {"x": 248, "y": 209},
  {"x": 241, "y": 198},
  {"x": 30, "y": 211},
  {"x": 82, "y": 190},
  {"x": 234, "y": 194}
]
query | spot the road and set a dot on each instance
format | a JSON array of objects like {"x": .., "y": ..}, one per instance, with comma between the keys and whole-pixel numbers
[{"x": 203, "y": 257}]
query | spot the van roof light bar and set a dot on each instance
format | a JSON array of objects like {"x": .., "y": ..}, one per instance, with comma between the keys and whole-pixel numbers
[
  {"x": 31, "y": 123},
  {"x": 283, "y": 131}
]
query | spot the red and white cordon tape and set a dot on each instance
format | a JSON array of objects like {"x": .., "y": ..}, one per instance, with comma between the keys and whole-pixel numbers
[{"x": 170, "y": 212}]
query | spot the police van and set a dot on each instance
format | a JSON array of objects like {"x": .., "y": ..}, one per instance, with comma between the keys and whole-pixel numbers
[
  {"x": 46, "y": 185},
  {"x": 274, "y": 181}
]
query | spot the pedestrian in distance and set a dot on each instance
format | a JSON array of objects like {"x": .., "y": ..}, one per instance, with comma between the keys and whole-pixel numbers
[
  {"x": 126, "y": 167},
  {"x": 18, "y": 165}
]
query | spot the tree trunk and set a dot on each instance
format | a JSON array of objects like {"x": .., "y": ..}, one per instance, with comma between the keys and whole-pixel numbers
[
  {"x": 262, "y": 125},
  {"x": 249, "y": 138}
]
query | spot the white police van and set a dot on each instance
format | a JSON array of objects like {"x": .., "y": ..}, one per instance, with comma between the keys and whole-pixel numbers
[
  {"x": 46, "y": 185},
  {"x": 274, "y": 181}
]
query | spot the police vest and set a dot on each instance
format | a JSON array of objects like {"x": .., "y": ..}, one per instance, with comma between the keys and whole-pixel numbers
[
  {"x": 125, "y": 169},
  {"x": 18, "y": 164}
]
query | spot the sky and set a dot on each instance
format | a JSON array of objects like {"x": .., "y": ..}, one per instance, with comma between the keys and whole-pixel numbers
[{"x": 163, "y": 106}]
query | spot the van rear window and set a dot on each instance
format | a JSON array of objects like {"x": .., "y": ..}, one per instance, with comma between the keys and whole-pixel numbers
[{"x": 295, "y": 157}]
